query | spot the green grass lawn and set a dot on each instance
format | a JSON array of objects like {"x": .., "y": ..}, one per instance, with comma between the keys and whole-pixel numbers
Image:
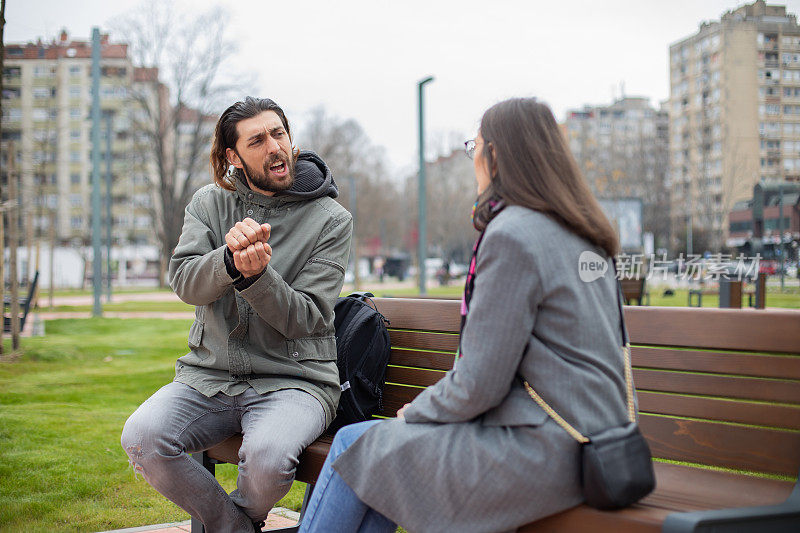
[
  {"x": 44, "y": 291},
  {"x": 132, "y": 306},
  {"x": 62, "y": 407}
]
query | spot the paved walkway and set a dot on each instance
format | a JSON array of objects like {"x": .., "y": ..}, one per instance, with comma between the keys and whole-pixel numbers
[{"x": 278, "y": 517}]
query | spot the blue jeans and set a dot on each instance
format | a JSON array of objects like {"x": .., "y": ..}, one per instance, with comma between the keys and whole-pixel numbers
[{"x": 334, "y": 507}]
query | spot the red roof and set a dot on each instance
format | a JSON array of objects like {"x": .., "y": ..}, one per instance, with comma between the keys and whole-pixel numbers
[{"x": 74, "y": 49}]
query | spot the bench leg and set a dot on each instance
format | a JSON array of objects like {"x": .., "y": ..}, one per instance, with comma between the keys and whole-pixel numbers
[
  {"x": 296, "y": 528},
  {"x": 205, "y": 460},
  {"x": 781, "y": 518}
]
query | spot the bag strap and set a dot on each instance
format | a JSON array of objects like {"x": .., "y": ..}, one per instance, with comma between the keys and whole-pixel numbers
[{"x": 626, "y": 355}]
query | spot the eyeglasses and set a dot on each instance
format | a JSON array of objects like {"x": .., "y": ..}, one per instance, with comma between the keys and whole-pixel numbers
[{"x": 469, "y": 148}]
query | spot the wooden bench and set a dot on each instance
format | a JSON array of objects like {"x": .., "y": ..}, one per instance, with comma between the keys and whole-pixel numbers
[
  {"x": 731, "y": 296},
  {"x": 24, "y": 304},
  {"x": 719, "y": 402}
]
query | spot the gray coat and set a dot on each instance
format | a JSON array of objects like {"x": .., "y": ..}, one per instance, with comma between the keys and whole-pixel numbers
[{"x": 475, "y": 453}]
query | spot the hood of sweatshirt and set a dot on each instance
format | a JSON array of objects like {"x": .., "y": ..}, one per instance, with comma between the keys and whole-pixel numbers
[{"x": 312, "y": 178}]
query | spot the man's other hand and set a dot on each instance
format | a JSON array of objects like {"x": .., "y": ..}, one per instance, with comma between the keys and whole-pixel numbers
[
  {"x": 246, "y": 233},
  {"x": 252, "y": 260}
]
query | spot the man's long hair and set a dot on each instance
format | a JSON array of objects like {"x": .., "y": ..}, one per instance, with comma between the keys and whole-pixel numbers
[
  {"x": 226, "y": 135},
  {"x": 536, "y": 169}
]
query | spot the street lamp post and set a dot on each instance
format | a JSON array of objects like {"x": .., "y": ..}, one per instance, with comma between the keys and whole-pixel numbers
[
  {"x": 422, "y": 189},
  {"x": 109, "y": 121},
  {"x": 97, "y": 265},
  {"x": 780, "y": 234}
]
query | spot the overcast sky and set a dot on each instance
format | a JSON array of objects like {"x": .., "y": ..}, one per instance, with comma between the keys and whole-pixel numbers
[{"x": 363, "y": 58}]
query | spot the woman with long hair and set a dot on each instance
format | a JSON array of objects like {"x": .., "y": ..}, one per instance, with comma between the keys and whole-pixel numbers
[{"x": 475, "y": 452}]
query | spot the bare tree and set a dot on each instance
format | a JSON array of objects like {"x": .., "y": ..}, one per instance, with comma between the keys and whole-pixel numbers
[
  {"x": 188, "y": 49},
  {"x": 356, "y": 162}
]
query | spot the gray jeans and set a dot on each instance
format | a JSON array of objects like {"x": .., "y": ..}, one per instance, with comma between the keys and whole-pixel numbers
[{"x": 178, "y": 420}]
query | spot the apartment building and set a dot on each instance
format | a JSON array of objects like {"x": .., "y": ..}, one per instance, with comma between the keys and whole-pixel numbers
[
  {"x": 734, "y": 117},
  {"x": 622, "y": 151},
  {"x": 47, "y": 114}
]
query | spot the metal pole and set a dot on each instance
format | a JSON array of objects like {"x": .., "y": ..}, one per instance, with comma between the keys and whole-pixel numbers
[
  {"x": 13, "y": 243},
  {"x": 780, "y": 232},
  {"x": 109, "y": 221},
  {"x": 422, "y": 190},
  {"x": 97, "y": 265}
]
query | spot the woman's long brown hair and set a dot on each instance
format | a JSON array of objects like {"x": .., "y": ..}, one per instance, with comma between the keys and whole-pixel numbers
[{"x": 535, "y": 169}]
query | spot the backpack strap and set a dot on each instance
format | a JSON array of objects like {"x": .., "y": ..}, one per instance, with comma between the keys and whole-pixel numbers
[{"x": 361, "y": 295}]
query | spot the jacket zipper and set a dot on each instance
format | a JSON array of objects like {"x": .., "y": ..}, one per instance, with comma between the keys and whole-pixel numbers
[{"x": 326, "y": 262}]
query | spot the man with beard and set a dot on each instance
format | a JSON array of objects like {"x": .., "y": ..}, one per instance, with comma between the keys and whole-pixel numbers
[{"x": 262, "y": 256}]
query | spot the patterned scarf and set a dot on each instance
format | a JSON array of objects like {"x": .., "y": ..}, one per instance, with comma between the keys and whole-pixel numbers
[{"x": 469, "y": 285}]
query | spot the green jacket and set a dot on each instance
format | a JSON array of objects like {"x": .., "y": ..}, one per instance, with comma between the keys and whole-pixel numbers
[{"x": 278, "y": 332}]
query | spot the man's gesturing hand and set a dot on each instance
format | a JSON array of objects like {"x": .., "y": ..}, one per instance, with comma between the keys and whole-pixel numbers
[
  {"x": 252, "y": 260},
  {"x": 245, "y": 234}
]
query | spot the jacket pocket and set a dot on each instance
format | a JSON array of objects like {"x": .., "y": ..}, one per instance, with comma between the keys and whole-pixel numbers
[
  {"x": 196, "y": 331},
  {"x": 195, "y": 335},
  {"x": 318, "y": 348}
]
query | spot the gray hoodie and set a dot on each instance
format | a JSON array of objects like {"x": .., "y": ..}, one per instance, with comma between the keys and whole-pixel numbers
[{"x": 277, "y": 332}]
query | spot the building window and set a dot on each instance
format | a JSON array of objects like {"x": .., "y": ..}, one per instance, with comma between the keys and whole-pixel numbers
[
  {"x": 40, "y": 93},
  {"x": 75, "y": 135},
  {"x": 42, "y": 72},
  {"x": 75, "y": 157},
  {"x": 42, "y": 135},
  {"x": 113, "y": 72},
  {"x": 75, "y": 91},
  {"x": 75, "y": 179},
  {"x": 75, "y": 200},
  {"x": 75, "y": 222},
  {"x": 75, "y": 70},
  {"x": 11, "y": 93},
  {"x": 13, "y": 114},
  {"x": 12, "y": 72},
  {"x": 75, "y": 113}
]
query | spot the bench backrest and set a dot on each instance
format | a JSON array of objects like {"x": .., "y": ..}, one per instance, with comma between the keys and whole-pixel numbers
[{"x": 716, "y": 387}]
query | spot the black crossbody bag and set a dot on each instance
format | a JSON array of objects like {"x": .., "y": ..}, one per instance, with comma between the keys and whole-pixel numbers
[{"x": 617, "y": 468}]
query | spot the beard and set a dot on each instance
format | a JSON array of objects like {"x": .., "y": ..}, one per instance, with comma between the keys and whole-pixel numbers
[{"x": 261, "y": 178}]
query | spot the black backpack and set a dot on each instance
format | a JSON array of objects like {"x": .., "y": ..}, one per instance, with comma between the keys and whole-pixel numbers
[{"x": 362, "y": 346}]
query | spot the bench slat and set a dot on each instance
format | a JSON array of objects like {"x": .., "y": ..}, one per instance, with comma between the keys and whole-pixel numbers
[
  {"x": 769, "y": 390},
  {"x": 396, "y": 396},
  {"x": 423, "y": 340},
  {"x": 420, "y": 359},
  {"x": 413, "y": 376},
  {"x": 728, "y": 446},
  {"x": 688, "y": 488},
  {"x": 777, "y": 330},
  {"x": 427, "y": 314},
  {"x": 679, "y": 488},
  {"x": 757, "y": 414},
  {"x": 767, "y": 366}
]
